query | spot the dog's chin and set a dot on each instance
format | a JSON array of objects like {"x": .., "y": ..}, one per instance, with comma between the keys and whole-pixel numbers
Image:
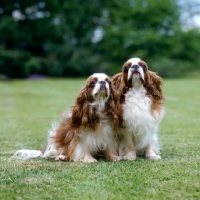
[
  {"x": 137, "y": 76},
  {"x": 102, "y": 92}
]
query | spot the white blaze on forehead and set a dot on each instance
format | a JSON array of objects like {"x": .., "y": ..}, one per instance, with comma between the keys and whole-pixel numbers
[
  {"x": 134, "y": 61},
  {"x": 100, "y": 76}
]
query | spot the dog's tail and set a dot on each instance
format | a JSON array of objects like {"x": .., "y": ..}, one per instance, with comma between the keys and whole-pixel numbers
[
  {"x": 49, "y": 152},
  {"x": 26, "y": 154}
]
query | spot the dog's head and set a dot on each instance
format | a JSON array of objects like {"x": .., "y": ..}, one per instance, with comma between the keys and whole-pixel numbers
[{"x": 95, "y": 100}]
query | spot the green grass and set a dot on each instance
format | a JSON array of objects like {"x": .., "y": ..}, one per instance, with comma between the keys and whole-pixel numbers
[{"x": 27, "y": 109}]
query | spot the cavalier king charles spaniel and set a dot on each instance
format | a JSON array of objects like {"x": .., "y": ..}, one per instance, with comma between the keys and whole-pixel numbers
[
  {"x": 88, "y": 129},
  {"x": 142, "y": 99}
]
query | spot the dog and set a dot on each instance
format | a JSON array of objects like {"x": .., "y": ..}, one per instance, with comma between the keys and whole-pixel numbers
[
  {"x": 141, "y": 97},
  {"x": 88, "y": 128}
]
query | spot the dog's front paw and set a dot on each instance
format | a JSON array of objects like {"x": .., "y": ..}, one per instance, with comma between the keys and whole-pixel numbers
[
  {"x": 88, "y": 159},
  {"x": 154, "y": 157},
  {"x": 115, "y": 158},
  {"x": 131, "y": 155},
  {"x": 61, "y": 157}
]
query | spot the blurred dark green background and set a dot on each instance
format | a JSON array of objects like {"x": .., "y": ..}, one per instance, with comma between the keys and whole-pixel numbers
[{"x": 74, "y": 38}]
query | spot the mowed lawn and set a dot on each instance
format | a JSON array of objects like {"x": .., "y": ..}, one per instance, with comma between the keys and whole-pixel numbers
[{"x": 27, "y": 109}]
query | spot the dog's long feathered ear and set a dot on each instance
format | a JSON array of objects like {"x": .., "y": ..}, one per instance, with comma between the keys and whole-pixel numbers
[
  {"x": 117, "y": 81},
  {"x": 67, "y": 132},
  {"x": 113, "y": 107},
  {"x": 119, "y": 86},
  {"x": 153, "y": 84},
  {"x": 82, "y": 112},
  {"x": 79, "y": 108}
]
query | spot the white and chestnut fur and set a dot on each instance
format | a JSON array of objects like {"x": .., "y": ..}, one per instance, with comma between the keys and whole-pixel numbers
[
  {"x": 88, "y": 128},
  {"x": 142, "y": 101}
]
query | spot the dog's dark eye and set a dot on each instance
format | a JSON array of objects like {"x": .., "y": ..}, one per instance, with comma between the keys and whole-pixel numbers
[
  {"x": 109, "y": 82},
  {"x": 92, "y": 84},
  {"x": 144, "y": 67},
  {"x": 126, "y": 69}
]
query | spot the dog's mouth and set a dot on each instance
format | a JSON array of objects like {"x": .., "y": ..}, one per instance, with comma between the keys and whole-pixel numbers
[
  {"x": 136, "y": 75},
  {"x": 103, "y": 88},
  {"x": 136, "y": 72},
  {"x": 103, "y": 92}
]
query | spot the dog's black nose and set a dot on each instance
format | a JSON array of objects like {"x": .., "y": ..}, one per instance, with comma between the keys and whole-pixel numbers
[
  {"x": 102, "y": 82},
  {"x": 135, "y": 66}
]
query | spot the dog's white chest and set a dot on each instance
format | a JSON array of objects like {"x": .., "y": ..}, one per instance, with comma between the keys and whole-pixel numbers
[{"x": 137, "y": 114}]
